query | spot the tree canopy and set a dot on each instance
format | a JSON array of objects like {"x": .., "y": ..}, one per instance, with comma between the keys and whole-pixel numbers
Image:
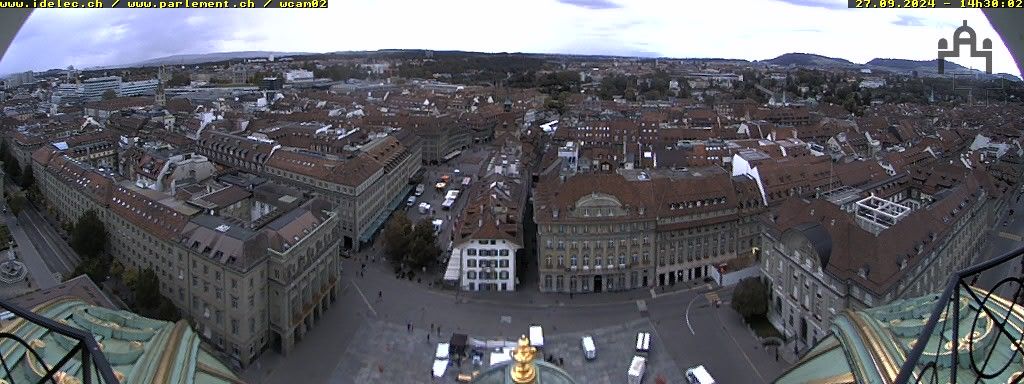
[
  {"x": 750, "y": 297},
  {"x": 89, "y": 236},
  {"x": 179, "y": 79},
  {"x": 17, "y": 202},
  {"x": 397, "y": 238},
  {"x": 11, "y": 165},
  {"x": 109, "y": 94},
  {"x": 410, "y": 246}
]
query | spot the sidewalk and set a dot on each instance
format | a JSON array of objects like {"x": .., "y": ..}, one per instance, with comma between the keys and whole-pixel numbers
[{"x": 526, "y": 296}]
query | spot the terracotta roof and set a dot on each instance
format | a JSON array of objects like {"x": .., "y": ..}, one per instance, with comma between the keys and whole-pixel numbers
[
  {"x": 855, "y": 250},
  {"x": 148, "y": 214},
  {"x": 120, "y": 103},
  {"x": 226, "y": 196}
]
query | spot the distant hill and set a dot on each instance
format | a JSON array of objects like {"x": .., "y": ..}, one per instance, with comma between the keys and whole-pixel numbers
[
  {"x": 812, "y": 60},
  {"x": 190, "y": 59},
  {"x": 929, "y": 67},
  {"x": 806, "y": 60}
]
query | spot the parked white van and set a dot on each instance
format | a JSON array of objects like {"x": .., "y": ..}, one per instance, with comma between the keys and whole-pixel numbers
[
  {"x": 699, "y": 375},
  {"x": 589, "y": 350},
  {"x": 643, "y": 342},
  {"x": 536, "y": 336}
]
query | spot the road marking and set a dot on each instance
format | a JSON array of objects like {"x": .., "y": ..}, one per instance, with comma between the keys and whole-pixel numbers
[
  {"x": 1007, "y": 235},
  {"x": 688, "y": 315},
  {"x": 46, "y": 239},
  {"x": 742, "y": 351},
  {"x": 364, "y": 298}
]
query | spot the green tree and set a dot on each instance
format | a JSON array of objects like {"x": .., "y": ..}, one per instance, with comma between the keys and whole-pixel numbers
[
  {"x": 97, "y": 268},
  {"x": 109, "y": 94},
  {"x": 147, "y": 289},
  {"x": 750, "y": 297},
  {"x": 89, "y": 236},
  {"x": 166, "y": 310},
  {"x": 423, "y": 248},
  {"x": 17, "y": 202},
  {"x": 27, "y": 179},
  {"x": 397, "y": 238},
  {"x": 11, "y": 165},
  {"x": 179, "y": 79}
]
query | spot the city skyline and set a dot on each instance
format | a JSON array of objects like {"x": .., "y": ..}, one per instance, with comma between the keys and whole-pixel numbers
[{"x": 595, "y": 27}]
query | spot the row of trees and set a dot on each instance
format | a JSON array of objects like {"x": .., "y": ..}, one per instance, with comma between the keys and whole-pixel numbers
[
  {"x": 654, "y": 86},
  {"x": 144, "y": 297},
  {"x": 408, "y": 246},
  {"x": 89, "y": 239}
]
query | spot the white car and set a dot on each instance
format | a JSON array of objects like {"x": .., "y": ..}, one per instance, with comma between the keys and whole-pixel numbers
[
  {"x": 699, "y": 375},
  {"x": 589, "y": 350}
]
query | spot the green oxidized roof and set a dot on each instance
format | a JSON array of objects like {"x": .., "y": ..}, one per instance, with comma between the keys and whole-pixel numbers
[
  {"x": 142, "y": 349},
  {"x": 870, "y": 346}
]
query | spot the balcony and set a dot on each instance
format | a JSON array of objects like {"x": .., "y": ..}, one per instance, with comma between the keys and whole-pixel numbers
[
  {"x": 978, "y": 314},
  {"x": 34, "y": 361}
]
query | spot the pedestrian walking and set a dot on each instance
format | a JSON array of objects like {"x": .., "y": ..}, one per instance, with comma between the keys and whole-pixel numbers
[
  {"x": 380, "y": 295},
  {"x": 428, "y": 337}
]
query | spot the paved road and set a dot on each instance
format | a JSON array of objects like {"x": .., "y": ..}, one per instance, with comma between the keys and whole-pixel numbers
[
  {"x": 39, "y": 272},
  {"x": 55, "y": 250},
  {"x": 402, "y": 301}
]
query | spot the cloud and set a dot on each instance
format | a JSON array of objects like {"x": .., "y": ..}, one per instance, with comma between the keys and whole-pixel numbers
[
  {"x": 591, "y": 4},
  {"x": 647, "y": 28},
  {"x": 827, "y": 4},
  {"x": 909, "y": 21}
]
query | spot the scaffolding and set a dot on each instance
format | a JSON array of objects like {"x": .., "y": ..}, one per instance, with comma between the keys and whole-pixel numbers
[{"x": 876, "y": 214}]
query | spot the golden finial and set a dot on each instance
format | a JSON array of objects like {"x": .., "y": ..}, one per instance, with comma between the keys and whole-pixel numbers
[{"x": 523, "y": 371}]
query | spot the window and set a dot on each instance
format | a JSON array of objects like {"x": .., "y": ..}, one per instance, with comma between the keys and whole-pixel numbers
[
  {"x": 471, "y": 275},
  {"x": 572, "y": 261},
  {"x": 503, "y": 263},
  {"x": 471, "y": 263},
  {"x": 503, "y": 252},
  {"x": 234, "y": 326},
  {"x": 471, "y": 252},
  {"x": 234, "y": 301},
  {"x": 503, "y": 275},
  {"x": 547, "y": 282}
]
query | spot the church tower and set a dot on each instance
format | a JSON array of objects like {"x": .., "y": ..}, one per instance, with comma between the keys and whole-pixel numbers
[{"x": 160, "y": 100}]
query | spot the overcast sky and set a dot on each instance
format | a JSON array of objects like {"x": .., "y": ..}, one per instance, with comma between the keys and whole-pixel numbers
[{"x": 746, "y": 29}]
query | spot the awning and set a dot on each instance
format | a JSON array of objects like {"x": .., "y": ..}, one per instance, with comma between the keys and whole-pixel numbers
[
  {"x": 451, "y": 273},
  {"x": 384, "y": 214},
  {"x": 452, "y": 155}
]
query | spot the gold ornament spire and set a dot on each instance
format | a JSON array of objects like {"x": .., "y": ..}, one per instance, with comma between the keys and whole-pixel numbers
[{"x": 523, "y": 371}]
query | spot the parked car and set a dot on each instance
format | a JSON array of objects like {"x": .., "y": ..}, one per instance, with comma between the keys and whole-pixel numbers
[
  {"x": 589, "y": 350},
  {"x": 699, "y": 375},
  {"x": 410, "y": 201}
]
